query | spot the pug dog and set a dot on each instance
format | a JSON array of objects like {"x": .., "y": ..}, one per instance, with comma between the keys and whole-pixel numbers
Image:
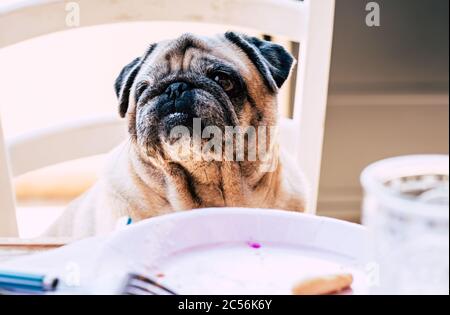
[{"x": 223, "y": 82}]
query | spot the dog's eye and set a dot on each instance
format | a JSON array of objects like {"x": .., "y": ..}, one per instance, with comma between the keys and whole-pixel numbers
[{"x": 224, "y": 81}]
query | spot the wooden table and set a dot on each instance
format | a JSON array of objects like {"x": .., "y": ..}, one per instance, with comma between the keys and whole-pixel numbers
[{"x": 15, "y": 247}]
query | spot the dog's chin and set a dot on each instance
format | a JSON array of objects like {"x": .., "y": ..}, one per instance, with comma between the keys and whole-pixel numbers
[
  {"x": 177, "y": 125},
  {"x": 176, "y": 119},
  {"x": 190, "y": 124}
]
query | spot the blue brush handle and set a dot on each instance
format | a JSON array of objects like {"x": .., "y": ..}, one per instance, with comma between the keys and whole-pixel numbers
[{"x": 26, "y": 282}]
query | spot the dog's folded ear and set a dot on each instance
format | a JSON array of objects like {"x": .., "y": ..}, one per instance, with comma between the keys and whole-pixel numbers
[
  {"x": 124, "y": 82},
  {"x": 271, "y": 60}
]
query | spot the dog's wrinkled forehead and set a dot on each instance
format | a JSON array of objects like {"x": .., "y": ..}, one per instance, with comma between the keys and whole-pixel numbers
[{"x": 190, "y": 53}]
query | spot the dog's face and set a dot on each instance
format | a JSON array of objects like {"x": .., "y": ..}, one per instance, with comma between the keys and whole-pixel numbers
[{"x": 226, "y": 80}]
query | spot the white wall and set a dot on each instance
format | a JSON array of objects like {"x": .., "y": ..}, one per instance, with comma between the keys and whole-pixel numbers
[{"x": 388, "y": 93}]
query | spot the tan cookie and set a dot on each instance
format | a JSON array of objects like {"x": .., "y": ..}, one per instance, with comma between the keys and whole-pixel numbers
[{"x": 323, "y": 285}]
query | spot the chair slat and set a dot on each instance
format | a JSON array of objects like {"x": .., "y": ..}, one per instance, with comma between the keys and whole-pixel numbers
[
  {"x": 8, "y": 221},
  {"x": 79, "y": 139},
  {"x": 39, "y": 17},
  {"x": 312, "y": 92}
]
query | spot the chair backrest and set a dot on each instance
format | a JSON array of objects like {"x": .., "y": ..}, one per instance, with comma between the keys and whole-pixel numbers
[
  {"x": 8, "y": 225},
  {"x": 308, "y": 22}
]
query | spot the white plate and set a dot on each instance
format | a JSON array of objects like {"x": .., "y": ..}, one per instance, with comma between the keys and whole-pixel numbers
[{"x": 236, "y": 251}]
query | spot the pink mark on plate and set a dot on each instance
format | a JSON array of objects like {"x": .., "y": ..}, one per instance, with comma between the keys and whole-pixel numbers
[{"x": 254, "y": 245}]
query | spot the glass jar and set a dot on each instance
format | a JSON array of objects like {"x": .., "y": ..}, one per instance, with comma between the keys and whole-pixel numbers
[{"x": 406, "y": 209}]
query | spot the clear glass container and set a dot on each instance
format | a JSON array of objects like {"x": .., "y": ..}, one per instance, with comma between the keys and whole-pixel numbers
[{"x": 406, "y": 209}]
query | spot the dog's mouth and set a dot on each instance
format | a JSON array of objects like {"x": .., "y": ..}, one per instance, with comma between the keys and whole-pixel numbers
[{"x": 178, "y": 119}]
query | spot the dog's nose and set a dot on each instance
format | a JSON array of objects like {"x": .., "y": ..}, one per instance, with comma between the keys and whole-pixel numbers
[{"x": 175, "y": 90}]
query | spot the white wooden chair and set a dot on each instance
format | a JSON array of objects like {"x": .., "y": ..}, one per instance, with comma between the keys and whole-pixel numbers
[{"x": 308, "y": 22}]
